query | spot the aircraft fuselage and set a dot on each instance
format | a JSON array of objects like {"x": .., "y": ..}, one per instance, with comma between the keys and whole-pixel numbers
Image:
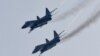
[
  {"x": 50, "y": 45},
  {"x": 44, "y": 20}
]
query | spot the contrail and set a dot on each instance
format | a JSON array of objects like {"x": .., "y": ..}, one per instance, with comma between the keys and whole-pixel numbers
[
  {"x": 61, "y": 4},
  {"x": 72, "y": 11},
  {"x": 81, "y": 27}
]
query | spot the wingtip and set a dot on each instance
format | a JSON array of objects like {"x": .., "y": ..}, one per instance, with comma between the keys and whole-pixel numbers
[
  {"x": 29, "y": 32},
  {"x": 40, "y": 54},
  {"x": 46, "y": 8},
  {"x": 54, "y": 30}
]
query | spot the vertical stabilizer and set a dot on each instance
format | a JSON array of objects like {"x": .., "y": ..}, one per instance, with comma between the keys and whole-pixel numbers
[
  {"x": 47, "y": 41},
  {"x": 56, "y": 34},
  {"x": 48, "y": 12},
  {"x": 38, "y": 18}
]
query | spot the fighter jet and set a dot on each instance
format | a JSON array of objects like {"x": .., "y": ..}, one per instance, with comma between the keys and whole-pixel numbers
[
  {"x": 48, "y": 45},
  {"x": 40, "y": 21}
]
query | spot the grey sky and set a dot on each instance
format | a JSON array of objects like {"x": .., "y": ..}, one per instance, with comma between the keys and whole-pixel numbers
[{"x": 17, "y": 42}]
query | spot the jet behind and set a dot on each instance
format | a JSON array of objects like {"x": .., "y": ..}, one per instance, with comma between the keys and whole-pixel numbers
[
  {"x": 48, "y": 45},
  {"x": 40, "y": 21}
]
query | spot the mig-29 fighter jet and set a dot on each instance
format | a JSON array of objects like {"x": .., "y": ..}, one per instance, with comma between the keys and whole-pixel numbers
[
  {"x": 40, "y": 21},
  {"x": 48, "y": 45}
]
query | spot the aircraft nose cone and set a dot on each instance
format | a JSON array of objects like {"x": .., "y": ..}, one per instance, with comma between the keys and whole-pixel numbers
[
  {"x": 23, "y": 26},
  {"x": 33, "y": 52}
]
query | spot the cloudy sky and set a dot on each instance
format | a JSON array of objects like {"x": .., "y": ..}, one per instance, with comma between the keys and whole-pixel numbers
[{"x": 70, "y": 16}]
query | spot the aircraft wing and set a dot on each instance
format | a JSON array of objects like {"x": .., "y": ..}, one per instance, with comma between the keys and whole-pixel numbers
[
  {"x": 37, "y": 48},
  {"x": 28, "y": 24}
]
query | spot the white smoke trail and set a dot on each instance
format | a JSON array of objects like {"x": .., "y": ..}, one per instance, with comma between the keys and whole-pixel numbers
[
  {"x": 81, "y": 27},
  {"x": 72, "y": 11},
  {"x": 61, "y": 5}
]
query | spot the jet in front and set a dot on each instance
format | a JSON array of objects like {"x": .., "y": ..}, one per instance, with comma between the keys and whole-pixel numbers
[
  {"x": 40, "y": 21},
  {"x": 48, "y": 45}
]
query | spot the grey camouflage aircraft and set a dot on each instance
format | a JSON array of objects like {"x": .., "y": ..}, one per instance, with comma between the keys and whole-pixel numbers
[
  {"x": 40, "y": 21},
  {"x": 48, "y": 45}
]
